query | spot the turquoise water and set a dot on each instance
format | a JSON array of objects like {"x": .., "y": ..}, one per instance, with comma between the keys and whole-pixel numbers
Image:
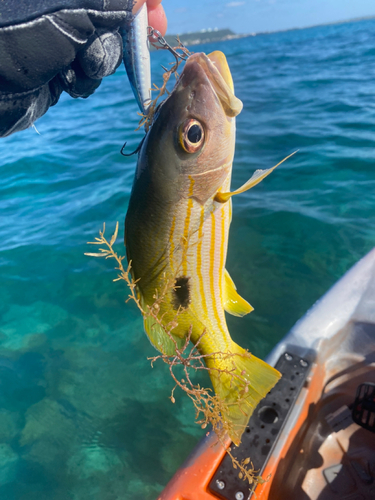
[{"x": 82, "y": 413}]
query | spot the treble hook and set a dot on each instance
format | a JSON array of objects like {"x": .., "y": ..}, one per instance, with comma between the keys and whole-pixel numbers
[{"x": 153, "y": 33}]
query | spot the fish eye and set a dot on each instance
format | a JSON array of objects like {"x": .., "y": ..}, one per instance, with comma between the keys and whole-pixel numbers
[{"x": 192, "y": 136}]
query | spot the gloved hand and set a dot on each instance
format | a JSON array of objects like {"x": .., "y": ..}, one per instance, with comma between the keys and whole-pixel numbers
[{"x": 47, "y": 46}]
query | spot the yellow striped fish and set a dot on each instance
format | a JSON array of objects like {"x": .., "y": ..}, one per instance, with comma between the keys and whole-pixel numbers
[{"x": 176, "y": 230}]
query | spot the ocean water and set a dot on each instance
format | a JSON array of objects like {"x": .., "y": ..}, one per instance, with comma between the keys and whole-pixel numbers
[{"x": 82, "y": 413}]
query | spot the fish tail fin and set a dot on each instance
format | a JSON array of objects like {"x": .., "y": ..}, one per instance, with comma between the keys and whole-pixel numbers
[{"x": 240, "y": 380}]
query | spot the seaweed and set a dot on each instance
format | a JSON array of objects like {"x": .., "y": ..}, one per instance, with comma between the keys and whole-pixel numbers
[
  {"x": 209, "y": 407},
  {"x": 148, "y": 117}
]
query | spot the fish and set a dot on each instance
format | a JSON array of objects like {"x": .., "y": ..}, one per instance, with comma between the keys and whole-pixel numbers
[{"x": 177, "y": 228}]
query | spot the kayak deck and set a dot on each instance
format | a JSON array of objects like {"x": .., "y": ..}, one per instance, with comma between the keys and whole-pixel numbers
[
  {"x": 320, "y": 452},
  {"x": 331, "y": 457}
]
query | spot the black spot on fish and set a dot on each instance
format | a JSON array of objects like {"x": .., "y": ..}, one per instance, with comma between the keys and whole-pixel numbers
[{"x": 181, "y": 293}]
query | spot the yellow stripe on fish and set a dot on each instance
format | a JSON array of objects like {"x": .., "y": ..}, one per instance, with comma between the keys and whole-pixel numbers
[
  {"x": 177, "y": 232},
  {"x": 199, "y": 263}
]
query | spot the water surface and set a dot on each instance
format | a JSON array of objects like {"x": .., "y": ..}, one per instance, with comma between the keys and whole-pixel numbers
[{"x": 82, "y": 413}]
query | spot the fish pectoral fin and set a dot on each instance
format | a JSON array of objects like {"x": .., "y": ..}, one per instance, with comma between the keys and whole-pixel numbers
[
  {"x": 233, "y": 303},
  {"x": 157, "y": 334},
  {"x": 257, "y": 177}
]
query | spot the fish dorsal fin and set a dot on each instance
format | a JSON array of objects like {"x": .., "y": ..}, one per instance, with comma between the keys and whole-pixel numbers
[
  {"x": 233, "y": 303},
  {"x": 257, "y": 177},
  {"x": 158, "y": 336}
]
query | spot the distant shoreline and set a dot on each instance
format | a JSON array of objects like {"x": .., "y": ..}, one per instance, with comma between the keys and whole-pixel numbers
[
  {"x": 211, "y": 36},
  {"x": 334, "y": 23},
  {"x": 205, "y": 36}
]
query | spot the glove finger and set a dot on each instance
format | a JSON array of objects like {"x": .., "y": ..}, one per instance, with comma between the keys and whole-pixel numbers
[
  {"x": 20, "y": 111},
  {"x": 102, "y": 55},
  {"x": 16, "y": 12},
  {"x": 75, "y": 82},
  {"x": 33, "y": 55}
]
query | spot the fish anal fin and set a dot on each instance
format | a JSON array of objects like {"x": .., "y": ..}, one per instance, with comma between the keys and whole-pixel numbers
[
  {"x": 255, "y": 179},
  {"x": 233, "y": 303}
]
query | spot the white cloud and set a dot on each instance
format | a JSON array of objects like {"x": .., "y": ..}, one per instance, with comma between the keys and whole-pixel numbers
[{"x": 235, "y": 4}]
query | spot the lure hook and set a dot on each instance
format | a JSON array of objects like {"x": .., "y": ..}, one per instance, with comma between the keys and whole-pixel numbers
[
  {"x": 182, "y": 54},
  {"x": 137, "y": 150}
]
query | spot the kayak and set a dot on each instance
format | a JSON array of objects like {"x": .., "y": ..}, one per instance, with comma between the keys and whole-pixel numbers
[{"x": 313, "y": 436}]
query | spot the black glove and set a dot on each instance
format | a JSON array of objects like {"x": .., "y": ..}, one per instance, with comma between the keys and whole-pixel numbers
[{"x": 47, "y": 46}]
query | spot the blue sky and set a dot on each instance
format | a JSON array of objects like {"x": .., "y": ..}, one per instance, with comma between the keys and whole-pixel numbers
[{"x": 260, "y": 15}]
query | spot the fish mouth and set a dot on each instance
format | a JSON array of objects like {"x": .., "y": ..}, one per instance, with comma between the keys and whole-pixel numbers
[
  {"x": 220, "y": 62},
  {"x": 217, "y": 71}
]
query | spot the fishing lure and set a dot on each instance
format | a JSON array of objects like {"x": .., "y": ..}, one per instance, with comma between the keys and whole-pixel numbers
[{"x": 136, "y": 56}]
